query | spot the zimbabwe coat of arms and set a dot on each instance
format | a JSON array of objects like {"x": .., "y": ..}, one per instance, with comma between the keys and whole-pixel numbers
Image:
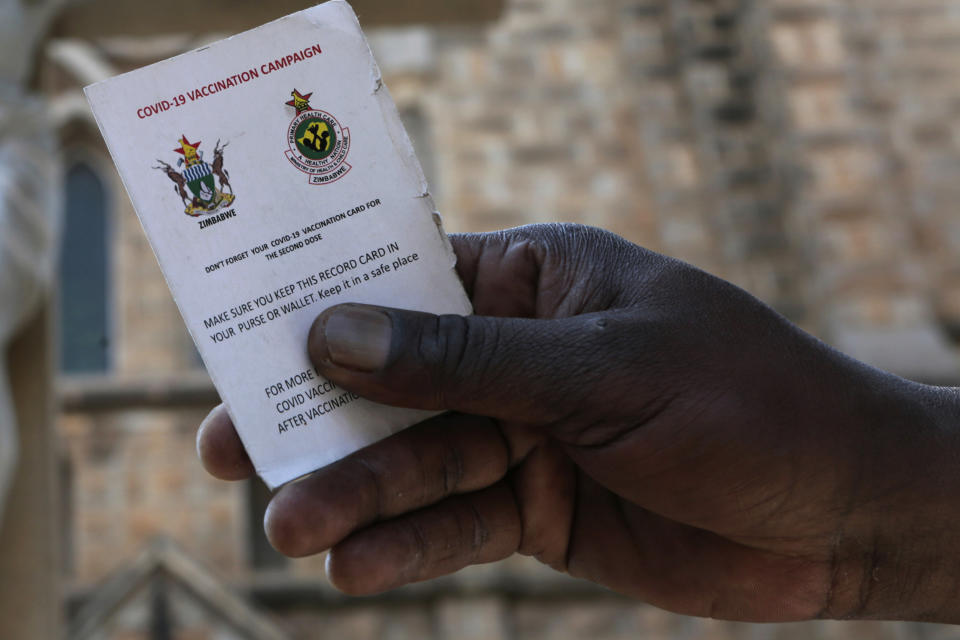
[{"x": 205, "y": 195}]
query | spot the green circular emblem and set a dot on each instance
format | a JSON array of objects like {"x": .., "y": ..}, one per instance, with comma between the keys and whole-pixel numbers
[{"x": 316, "y": 138}]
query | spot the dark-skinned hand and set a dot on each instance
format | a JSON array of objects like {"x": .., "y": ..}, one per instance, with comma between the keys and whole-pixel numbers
[{"x": 633, "y": 421}]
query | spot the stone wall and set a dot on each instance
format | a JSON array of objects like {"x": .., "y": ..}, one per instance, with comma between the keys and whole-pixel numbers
[
  {"x": 133, "y": 475},
  {"x": 873, "y": 98}
]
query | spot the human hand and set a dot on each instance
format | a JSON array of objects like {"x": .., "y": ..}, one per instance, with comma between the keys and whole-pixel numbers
[{"x": 630, "y": 420}]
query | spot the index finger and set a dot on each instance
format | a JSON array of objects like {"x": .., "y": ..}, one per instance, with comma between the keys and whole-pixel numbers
[{"x": 500, "y": 271}]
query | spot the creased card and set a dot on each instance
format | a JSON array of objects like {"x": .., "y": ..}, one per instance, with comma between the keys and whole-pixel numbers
[{"x": 273, "y": 178}]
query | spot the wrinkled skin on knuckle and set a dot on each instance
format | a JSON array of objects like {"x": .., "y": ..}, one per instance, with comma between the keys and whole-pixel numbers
[
  {"x": 453, "y": 469},
  {"x": 443, "y": 344}
]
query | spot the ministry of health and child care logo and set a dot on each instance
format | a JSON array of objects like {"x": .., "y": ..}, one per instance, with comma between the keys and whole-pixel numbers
[
  {"x": 318, "y": 144},
  {"x": 204, "y": 196}
]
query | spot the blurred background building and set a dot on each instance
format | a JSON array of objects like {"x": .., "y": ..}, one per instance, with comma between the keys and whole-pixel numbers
[{"x": 808, "y": 150}]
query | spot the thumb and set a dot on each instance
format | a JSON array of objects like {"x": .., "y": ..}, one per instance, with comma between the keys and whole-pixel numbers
[{"x": 517, "y": 369}]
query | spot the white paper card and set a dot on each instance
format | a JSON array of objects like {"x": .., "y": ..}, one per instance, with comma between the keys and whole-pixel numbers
[{"x": 273, "y": 178}]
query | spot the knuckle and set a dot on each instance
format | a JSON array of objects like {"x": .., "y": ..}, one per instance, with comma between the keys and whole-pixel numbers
[
  {"x": 468, "y": 534},
  {"x": 455, "y": 336},
  {"x": 372, "y": 487},
  {"x": 448, "y": 348},
  {"x": 453, "y": 468},
  {"x": 418, "y": 547},
  {"x": 480, "y": 532}
]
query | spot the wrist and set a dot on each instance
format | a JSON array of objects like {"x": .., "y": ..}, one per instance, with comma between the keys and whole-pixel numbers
[{"x": 897, "y": 551}]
